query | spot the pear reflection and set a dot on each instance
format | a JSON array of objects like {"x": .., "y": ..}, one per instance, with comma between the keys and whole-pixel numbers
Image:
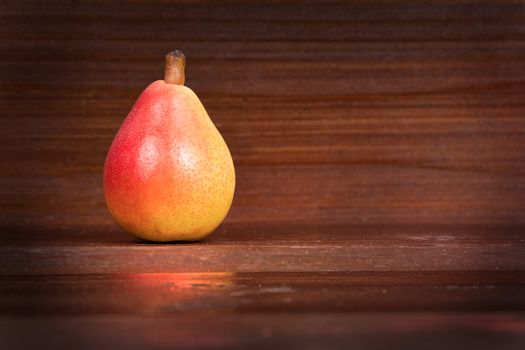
[{"x": 165, "y": 292}]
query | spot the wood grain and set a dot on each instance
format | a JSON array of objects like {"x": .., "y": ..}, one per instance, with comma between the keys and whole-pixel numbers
[
  {"x": 261, "y": 331},
  {"x": 341, "y": 292},
  {"x": 397, "y": 112},
  {"x": 380, "y": 160},
  {"x": 266, "y": 248}
]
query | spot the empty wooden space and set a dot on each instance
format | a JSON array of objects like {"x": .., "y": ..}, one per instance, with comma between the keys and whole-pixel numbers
[{"x": 380, "y": 161}]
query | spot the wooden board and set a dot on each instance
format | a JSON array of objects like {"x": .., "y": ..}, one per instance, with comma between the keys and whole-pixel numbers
[
  {"x": 380, "y": 160},
  {"x": 354, "y": 113}
]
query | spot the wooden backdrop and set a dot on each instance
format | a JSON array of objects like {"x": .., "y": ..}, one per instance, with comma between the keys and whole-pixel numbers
[
  {"x": 380, "y": 158},
  {"x": 394, "y": 112}
]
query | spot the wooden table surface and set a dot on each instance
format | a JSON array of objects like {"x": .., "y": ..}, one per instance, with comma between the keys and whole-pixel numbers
[{"x": 380, "y": 160}]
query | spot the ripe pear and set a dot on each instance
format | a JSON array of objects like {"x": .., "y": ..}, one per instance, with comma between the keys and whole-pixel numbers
[{"x": 169, "y": 175}]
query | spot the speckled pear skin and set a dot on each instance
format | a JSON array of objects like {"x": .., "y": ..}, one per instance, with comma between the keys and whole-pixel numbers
[{"x": 168, "y": 175}]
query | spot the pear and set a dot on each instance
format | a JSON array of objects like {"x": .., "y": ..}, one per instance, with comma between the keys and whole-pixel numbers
[{"x": 169, "y": 175}]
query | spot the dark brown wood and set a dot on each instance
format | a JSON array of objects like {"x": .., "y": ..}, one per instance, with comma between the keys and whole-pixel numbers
[
  {"x": 310, "y": 292},
  {"x": 269, "y": 330},
  {"x": 393, "y": 112},
  {"x": 380, "y": 160},
  {"x": 267, "y": 248}
]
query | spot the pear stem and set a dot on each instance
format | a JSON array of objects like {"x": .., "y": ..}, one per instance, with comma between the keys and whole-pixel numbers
[{"x": 174, "y": 68}]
